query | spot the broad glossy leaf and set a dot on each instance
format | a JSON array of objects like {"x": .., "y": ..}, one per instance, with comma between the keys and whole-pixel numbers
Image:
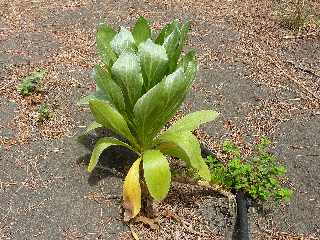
[
  {"x": 123, "y": 42},
  {"x": 192, "y": 121},
  {"x": 101, "y": 145},
  {"x": 185, "y": 146},
  {"x": 171, "y": 44},
  {"x": 153, "y": 59},
  {"x": 141, "y": 30},
  {"x": 156, "y": 106},
  {"x": 157, "y": 173},
  {"x": 111, "y": 89},
  {"x": 99, "y": 94},
  {"x": 132, "y": 191},
  {"x": 111, "y": 118},
  {"x": 166, "y": 31},
  {"x": 126, "y": 73},
  {"x": 174, "y": 38},
  {"x": 103, "y": 38}
]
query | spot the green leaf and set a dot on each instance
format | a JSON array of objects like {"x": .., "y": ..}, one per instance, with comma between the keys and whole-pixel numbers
[
  {"x": 141, "y": 30},
  {"x": 127, "y": 74},
  {"x": 123, "y": 42},
  {"x": 183, "y": 37},
  {"x": 185, "y": 146},
  {"x": 171, "y": 44},
  {"x": 92, "y": 126},
  {"x": 231, "y": 148},
  {"x": 154, "y": 61},
  {"x": 132, "y": 191},
  {"x": 158, "y": 105},
  {"x": 284, "y": 194},
  {"x": 97, "y": 95},
  {"x": 103, "y": 38},
  {"x": 157, "y": 174},
  {"x": 30, "y": 83},
  {"x": 101, "y": 145},
  {"x": 280, "y": 170},
  {"x": 160, "y": 39},
  {"x": 166, "y": 31},
  {"x": 110, "y": 88},
  {"x": 191, "y": 72},
  {"x": 184, "y": 61},
  {"x": 192, "y": 121},
  {"x": 110, "y": 118},
  {"x": 173, "y": 37}
]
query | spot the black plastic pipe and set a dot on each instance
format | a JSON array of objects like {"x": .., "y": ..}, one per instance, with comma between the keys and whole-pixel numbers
[{"x": 241, "y": 229}]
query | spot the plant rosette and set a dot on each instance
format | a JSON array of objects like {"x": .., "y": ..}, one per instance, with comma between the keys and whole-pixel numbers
[{"x": 140, "y": 85}]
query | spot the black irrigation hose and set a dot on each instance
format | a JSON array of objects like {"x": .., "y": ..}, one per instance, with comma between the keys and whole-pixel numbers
[{"x": 241, "y": 229}]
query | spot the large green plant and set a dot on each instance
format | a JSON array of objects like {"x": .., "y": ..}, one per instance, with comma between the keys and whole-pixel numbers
[{"x": 141, "y": 83}]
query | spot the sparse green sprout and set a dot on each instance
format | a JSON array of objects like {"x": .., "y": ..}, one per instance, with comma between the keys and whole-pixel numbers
[
  {"x": 283, "y": 194},
  {"x": 44, "y": 113},
  {"x": 229, "y": 147},
  {"x": 30, "y": 83},
  {"x": 259, "y": 177},
  {"x": 141, "y": 84}
]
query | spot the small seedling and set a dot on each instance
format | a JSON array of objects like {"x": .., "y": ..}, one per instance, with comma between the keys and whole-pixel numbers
[
  {"x": 259, "y": 177},
  {"x": 30, "y": 83},
  {"x": 44, "y": 113}
]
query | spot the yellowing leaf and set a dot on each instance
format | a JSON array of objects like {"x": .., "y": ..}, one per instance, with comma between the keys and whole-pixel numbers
[{"x": 132, "y": 192}]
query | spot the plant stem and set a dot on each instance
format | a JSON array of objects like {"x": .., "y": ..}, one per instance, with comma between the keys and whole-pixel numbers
[{"x": 146, "y": 201}]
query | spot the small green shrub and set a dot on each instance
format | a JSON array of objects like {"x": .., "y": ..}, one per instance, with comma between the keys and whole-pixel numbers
[
  {"x": 259, "y": 177},
  {"x": 44, "y": 113},
  {"x": 141, "y": 84},
  {"x": 30, "y": 83}
]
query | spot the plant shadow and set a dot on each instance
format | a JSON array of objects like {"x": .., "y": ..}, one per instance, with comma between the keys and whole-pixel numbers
[{"x": 114, "y": 161}]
